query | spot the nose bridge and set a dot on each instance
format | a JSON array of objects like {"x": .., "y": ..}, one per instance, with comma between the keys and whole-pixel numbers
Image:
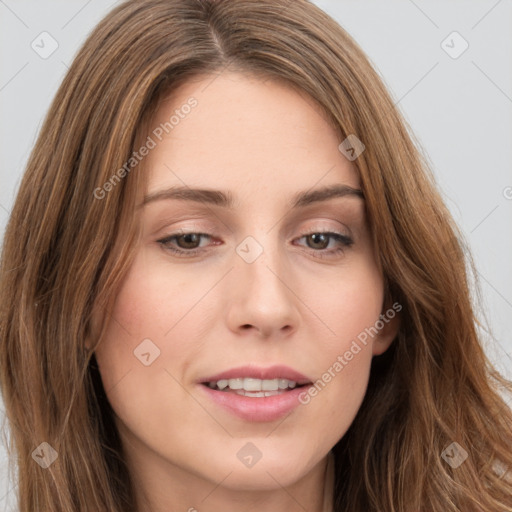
[
  {"x": 262, "y": 265},
  {"x": 261, "y": 294}
]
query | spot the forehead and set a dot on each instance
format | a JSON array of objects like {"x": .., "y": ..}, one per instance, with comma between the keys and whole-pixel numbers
[{"x": 244, "y": 133}]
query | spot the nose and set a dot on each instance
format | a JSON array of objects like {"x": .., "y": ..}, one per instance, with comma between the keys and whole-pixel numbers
[{"x": 260, "y": 297}]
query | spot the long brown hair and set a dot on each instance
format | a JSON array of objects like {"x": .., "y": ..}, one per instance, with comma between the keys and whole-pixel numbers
[{"x": 66, "y": 251}]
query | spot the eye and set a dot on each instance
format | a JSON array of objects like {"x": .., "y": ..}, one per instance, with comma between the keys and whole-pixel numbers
[
  {"x": 185, "y": 244},
  {"x": 188, "y": 243},
  {"x": 319, "y": 241}
]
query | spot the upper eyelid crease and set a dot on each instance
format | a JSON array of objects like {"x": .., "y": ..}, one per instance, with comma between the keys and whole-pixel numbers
[{"x": 226, "y": 199}]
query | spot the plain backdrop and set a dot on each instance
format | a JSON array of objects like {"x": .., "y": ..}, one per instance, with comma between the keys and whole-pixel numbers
[{"x": 448, "y": 66}]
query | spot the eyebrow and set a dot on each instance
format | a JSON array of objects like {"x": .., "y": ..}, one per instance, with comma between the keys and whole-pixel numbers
[{"x": 225, "y": 198}]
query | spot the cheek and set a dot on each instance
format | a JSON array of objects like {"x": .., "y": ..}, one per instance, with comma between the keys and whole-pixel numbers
[
  {"x": 350, "y": 310},
  {"x": 154, "y": 297},
  {"x": 148, "y": 313},
  {"x": 349, "y": 303},
  {"x": 144, "y": 352}
]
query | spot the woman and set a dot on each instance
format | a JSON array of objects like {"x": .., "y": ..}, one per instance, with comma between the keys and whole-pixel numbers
[{"x": 229, "y": 282}]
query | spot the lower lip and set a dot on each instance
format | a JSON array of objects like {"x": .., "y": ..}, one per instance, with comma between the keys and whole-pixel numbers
[{"x": 267, "y": 408}]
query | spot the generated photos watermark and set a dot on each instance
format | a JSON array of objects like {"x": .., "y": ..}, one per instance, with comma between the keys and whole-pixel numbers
[
  {"x": 343, "y": 360},
  {"x": 137, "y": 156}
]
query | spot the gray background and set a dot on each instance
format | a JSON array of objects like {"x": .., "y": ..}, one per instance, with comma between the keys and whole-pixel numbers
[{"x": 459, "y": 108}]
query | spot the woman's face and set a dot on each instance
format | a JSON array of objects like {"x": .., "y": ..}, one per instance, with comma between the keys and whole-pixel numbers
[{"x": 256, "y": 293}]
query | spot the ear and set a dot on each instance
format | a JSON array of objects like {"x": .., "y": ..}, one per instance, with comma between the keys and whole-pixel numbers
[
  {"x": 387, "y": 325},
  {"x": 88, "y": 342}
]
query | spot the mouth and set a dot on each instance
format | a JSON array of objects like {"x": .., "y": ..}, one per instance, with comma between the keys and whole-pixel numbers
[
  {"x": 256, "y": 394},
  {"x": 254, "y": 388}
]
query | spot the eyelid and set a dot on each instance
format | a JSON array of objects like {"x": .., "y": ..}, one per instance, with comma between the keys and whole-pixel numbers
[{"x": 345, "y": 240}]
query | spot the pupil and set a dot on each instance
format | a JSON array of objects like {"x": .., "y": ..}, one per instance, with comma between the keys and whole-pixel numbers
[
  {"x": 314, "y": 237},
  {"x": 187, "y": 238}
]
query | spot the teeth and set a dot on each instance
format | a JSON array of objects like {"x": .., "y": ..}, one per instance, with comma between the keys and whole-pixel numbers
[
  {"x": 254, "y": 385},
  {"x": 235, "y": 383},
  {"x": 221, "y": 384},
  {"x": 255, "y": 395},
  {"x": 269, "y": 385},
  {"x": 259, "y": 393},
  {"x": 282, "y": 383}
]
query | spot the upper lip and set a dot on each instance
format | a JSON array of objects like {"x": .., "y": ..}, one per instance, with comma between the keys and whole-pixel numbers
[{"x": 255, "y": 372}]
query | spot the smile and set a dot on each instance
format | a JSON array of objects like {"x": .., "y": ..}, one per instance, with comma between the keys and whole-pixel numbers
[
  {"x": 256, "y": 394},
  {"x": 256, "y": 388}
]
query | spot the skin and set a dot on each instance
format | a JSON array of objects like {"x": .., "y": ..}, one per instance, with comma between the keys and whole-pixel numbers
[{"x": 263, "y": 142}]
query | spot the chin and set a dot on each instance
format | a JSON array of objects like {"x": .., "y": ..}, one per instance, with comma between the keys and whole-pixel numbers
[{"x": 262, "y": 479}]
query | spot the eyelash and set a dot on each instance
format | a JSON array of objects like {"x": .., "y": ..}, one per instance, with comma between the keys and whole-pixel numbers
[{"x": 344, "y": 240}]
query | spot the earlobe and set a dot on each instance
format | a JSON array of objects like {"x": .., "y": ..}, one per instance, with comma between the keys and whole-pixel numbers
[
  {"x": 92, "y": 331},
  {"x": 388, "y": 325},
  {"x": 87, "y": 345}
]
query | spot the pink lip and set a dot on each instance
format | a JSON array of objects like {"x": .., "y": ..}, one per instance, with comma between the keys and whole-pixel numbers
[
  {"x": 254, "y": 372},
  {"x": 268, "y": 408}
]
